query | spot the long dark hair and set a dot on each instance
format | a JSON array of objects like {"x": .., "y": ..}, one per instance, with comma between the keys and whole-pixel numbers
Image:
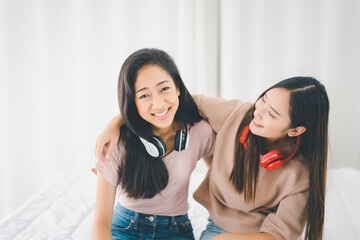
[
  {"x": 309, "y": 107},
  {"x": 141, "y": 175}
]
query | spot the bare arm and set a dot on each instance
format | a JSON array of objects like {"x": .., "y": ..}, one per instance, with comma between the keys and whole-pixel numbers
[
  {"x": 107, "y": 140},
  {"x": 105, "y": 197},
  {"x": 244, "y": 236}
]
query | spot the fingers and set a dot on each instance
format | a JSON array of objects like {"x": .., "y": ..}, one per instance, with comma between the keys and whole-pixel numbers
[
  {"x": 110, "y": 148},
  {"x": 103, "y": 153},
  {"x": 99, "y": 153},
  {"x": 95, "y": 150},
  {"x": 105, "y": 144}
]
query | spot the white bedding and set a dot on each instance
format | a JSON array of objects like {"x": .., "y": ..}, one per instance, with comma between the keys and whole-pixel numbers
[{"x": 65, "y": 208}]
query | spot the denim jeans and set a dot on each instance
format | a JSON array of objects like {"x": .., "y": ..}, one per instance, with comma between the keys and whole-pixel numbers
[
  {"x": 211, "y": 231},
  {"x": 127, "y": 224}
]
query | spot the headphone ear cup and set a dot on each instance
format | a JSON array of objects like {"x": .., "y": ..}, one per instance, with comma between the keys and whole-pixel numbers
[
  {"x": 274, "y": 165},
  {"x": 270, "y": 157},
  {"x": 180, "y": 141},
  {"x": 275, "y": 159},
  {"x": 155, "y": 147},
  {"x": 160, "y": 145},
  {"x": 187, "y": 137}
]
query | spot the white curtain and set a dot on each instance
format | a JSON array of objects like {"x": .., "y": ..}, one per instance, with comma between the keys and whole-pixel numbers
[{"x": 60, "y": 61}]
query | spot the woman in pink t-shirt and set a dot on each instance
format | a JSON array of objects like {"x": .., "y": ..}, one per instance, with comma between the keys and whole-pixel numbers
[{"x": 150, "y": 179}]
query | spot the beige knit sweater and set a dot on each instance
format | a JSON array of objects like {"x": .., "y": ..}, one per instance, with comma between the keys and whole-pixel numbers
[{"x": 281, "y": 195}]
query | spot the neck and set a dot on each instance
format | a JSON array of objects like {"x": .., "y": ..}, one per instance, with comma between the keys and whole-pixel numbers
[
  {"x": 280, "y": 143},
  {"x": 164, "y": 133},
  {"x": 168, "y": 134}
]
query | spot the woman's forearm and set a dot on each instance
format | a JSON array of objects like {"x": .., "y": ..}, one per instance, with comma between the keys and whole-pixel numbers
[
  {"x": 244, "y": 236},
  {"x": 115, "y": 122},
  {"x": 101, "y": 232}
]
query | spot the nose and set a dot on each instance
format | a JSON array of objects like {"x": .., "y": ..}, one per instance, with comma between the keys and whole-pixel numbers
[
  {"x": 259, "y": 111},
  {"x": 157, "y": 102}
]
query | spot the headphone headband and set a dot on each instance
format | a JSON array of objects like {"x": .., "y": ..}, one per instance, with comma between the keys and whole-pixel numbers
[{"x": 296, "y": 148}]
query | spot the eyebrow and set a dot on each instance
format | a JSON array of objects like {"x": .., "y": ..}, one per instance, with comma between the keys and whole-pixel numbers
[
  {"x": 142, "y": 89},
  {"x": 273, "y": 108}
]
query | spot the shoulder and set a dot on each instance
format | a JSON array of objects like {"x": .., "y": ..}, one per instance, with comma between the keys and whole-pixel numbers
[
  {"x": 296, "y": 172},
  {"x": 202, "y": 125},
  {"x": 201, "y": 128},
  {"x": 202, "y": 138},
  {"x": 119, "y": 148},
  {"x": 292, "y": 177},
  {"x": 118, "y": 154},
  {"x": 298, "y": 165}
]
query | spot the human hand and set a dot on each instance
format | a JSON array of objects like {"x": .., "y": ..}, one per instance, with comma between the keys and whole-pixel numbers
[
  {"x": 107, "y": 140},
  {"x": 105, "y": 144}
]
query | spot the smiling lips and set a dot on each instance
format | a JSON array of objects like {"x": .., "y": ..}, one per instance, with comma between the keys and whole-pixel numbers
[
  {"x": 162, "y": 115},
  {"x": 257, "y": 124}
]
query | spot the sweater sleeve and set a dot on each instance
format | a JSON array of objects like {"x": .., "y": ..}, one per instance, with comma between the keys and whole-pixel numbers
[
  {"x": 215, "y": 110},
  {"x": 289, "y": 220}
]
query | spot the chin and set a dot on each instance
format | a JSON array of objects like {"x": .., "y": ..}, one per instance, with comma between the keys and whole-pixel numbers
[
  {"x": 253, "y": 130},
  {"x": 164, "y": 124}
]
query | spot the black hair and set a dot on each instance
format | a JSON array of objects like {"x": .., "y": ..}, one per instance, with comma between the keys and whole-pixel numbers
[
  {"x": 141, "y": 175},
  {"x": 309, "y": 107}
]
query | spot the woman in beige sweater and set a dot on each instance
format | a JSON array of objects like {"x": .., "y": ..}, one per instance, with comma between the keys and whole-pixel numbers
[{"x": 266, "y": 179}]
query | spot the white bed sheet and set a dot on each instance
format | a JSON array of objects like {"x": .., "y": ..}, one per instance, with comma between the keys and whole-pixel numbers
[{"x": 65, "y": 208}]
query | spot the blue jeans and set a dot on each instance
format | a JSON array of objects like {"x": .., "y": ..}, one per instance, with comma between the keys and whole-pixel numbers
[
  {"x": 127, "y": 224},
  {"x": 211, "y": 231}
]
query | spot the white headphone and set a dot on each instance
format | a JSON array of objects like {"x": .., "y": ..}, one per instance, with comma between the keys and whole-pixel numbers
[{"x": 156, "y": 147}]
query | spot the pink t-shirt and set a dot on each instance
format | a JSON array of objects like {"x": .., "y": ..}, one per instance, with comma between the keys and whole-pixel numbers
[{"x": 172, "y": 200}]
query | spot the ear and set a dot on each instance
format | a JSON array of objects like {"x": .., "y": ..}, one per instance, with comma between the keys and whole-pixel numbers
[
  {"x": 294, "y": 132},
  {"x": 178, "y": 91}
]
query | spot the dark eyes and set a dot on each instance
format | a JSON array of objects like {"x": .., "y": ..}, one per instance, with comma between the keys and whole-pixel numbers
[
  {"x": 144, "y": 96},
  {"x": 147, "y": 95},
  {"x": 263, "y": 99},
  {"x": 164, "y": 89}
]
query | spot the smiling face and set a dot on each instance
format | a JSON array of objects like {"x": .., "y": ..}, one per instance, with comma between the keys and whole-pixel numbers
[
  {"x": 271, "y": 116},
  {"x": 156, "y": 96}
]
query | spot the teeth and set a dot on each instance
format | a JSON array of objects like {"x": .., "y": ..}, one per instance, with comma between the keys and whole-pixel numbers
[
  {"x": 258, "y": 123},
  {"x": 161, "y": 114}
]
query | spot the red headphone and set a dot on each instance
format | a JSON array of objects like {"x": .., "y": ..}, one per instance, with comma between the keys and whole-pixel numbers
[{"x": 273, "y": 159}]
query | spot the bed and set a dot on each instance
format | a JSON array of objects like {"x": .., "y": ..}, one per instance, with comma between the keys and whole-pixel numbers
[{"x": 64, "y": 209}]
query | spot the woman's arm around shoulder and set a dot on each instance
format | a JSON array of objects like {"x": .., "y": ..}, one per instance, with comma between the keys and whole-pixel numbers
[
  {"x": 105, "y": 197},
  {"x": 107, "y": 140},
  {"x": 216, "y": 110}
]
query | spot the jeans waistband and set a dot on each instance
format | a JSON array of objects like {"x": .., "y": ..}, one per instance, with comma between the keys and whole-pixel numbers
[{"x": 171, "y": 220}]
